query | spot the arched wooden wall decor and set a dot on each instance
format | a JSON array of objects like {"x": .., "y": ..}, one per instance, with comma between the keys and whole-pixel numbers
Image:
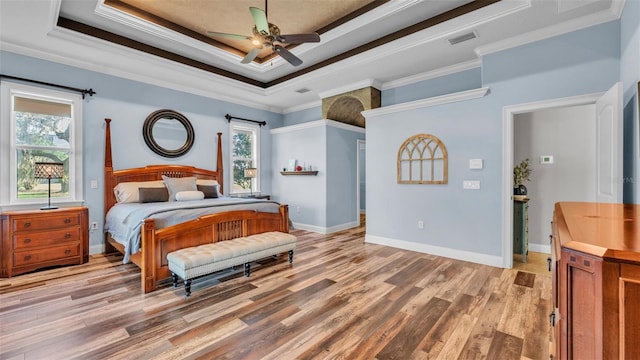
[{"x": 422, "y": 159}]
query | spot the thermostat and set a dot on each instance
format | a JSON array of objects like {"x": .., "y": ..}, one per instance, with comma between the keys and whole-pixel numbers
[{"x": 546, "y": 159}]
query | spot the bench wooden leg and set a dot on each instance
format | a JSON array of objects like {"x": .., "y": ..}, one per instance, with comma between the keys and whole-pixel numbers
[
  {"x": 174, "y": 278},
  {"x": 247, "y": 269},
  {"x": 187, "y": 287},
  {"x": 290, "y": 256}
]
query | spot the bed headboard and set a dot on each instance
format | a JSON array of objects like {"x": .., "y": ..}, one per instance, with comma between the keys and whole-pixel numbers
[{"x": 151, "y": 172}]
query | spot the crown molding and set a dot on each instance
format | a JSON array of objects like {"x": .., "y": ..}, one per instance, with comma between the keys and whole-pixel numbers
[
  {"x": 351, "y": 87},
  {"x": 423, "y": 103},
  {"x": 309, "y": 105}
]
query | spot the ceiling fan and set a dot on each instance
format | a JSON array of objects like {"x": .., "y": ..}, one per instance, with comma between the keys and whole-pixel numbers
[{"x": 266, "y": 34}]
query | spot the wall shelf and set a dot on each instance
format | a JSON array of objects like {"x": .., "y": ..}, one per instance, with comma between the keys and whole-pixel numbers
[{"x": 299, "y": 172}]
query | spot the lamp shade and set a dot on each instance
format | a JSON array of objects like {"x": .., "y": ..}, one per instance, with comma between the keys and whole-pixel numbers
[
  {"x": 48, "y": 170},
  {"x": 251, "y": 172}
]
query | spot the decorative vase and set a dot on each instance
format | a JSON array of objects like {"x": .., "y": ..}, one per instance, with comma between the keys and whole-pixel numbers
[{"x": 520, "y": 190}]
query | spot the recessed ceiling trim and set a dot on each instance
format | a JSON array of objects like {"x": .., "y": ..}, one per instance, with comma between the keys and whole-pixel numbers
[
  {"x": 351, "y": 87},
  {"x": 438, "y": 19}
]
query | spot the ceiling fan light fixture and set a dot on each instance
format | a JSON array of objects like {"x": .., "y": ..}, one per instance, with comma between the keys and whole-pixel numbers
[{"x": 256, "y": 42}]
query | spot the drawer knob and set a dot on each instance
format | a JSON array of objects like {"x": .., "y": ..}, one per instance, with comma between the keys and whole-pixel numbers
[
  {"x": 67, "y": 235},
  {"x": 27, "y": 224},
  {"x": 27, "y": 257},
  {"x": 27, "y": 240},
  {"x": 67, "y": 221},
  {"x": 67, "y": 252}
]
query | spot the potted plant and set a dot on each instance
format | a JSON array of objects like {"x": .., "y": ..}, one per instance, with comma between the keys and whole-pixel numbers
[{"x": 521, "y": 174}]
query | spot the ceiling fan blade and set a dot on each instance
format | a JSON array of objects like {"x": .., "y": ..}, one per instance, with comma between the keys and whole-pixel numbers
[
  {"x": 231, "y": 36},
  {"x": 251, "y": 55},
  {"x": 287, "y": 55},
  {"x": 260, "y": 18},
  {"x": 299, "y": 38}
]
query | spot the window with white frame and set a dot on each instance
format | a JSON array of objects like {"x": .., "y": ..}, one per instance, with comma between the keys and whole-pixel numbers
[
  {"x": 244, "y": 154},
  {"x": 39, "y": 125}
]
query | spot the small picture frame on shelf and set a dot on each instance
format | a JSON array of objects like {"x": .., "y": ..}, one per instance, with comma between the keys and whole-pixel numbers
[{"x": 292, "y": 165}]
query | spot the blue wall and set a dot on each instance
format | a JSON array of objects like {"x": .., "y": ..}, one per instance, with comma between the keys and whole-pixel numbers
[
  {"x": 630, "y": 75},
  {"x": 469, "y": 223},
  {"x": 460, "y": 81},
  {"x": 128, "y": 103}
]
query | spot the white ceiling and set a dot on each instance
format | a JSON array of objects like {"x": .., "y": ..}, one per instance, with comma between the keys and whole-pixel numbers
[{"x": 28, "y": 27}]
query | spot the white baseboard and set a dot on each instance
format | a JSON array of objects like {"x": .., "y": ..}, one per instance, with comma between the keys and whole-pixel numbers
[
  {"x": 325, "y": 230},
  {"x": 541, "y": 248},
  {"x": 484, "y": 259}
]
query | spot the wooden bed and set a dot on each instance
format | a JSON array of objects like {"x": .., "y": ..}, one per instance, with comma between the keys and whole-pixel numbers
[{"x": 157, "y": 243}]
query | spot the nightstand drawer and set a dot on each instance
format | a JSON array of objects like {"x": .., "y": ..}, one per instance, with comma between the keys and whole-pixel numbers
[
  {"x": 45, "y": 222},
  {"x": 46, "y": 238},
  {"x": 21, "y": 258}
]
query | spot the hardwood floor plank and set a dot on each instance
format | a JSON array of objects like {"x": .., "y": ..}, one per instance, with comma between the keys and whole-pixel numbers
[
  {"x": 407, "y": 340},
  {"x": 505, "y": 346},
  {"x": 342, "y": 298}
]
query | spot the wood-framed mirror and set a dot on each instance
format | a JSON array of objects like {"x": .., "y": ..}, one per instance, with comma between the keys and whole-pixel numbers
[{"x": 168, "y": 133}]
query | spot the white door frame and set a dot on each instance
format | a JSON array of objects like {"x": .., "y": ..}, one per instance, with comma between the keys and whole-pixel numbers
[
  {"x": 508, "y": 114},
  {"x": 359, "y": 143}
]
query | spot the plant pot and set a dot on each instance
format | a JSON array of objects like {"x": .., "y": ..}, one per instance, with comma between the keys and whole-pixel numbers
[{"x": 520, "y": 190}]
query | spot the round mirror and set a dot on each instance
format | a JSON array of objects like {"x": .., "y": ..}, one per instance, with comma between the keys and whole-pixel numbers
[{"x": 168, "y": 133}]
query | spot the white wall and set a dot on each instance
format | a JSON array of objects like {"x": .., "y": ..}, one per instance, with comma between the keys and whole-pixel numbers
[{"x": 569, "y": 135}]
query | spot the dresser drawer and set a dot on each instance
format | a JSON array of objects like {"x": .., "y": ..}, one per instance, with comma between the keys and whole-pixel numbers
[
  {"x": 46, "y": 222},
  {"x": 46, "y": 238},
  {"x": 21, "y": 258}
]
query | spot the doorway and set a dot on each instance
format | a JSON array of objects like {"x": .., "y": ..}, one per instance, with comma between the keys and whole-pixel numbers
[{"x": 608, "y": 151}]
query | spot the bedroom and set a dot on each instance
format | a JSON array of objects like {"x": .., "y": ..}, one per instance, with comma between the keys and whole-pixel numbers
[{"x": 532, "y": 72}]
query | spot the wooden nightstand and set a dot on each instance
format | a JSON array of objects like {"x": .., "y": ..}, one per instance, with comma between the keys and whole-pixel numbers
[{"x": 35, "y": 239}]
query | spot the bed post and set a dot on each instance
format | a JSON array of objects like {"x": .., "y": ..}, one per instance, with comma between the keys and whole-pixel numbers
[
  {"x": 150, "y": 252},
  {"x": 219, "y": 164},
  {"x": 108, "y": 167}
]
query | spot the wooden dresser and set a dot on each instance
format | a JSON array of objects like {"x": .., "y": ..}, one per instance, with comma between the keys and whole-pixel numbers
[
  {"x": 35, "y": 239},
  {"x": 596, "y": 281}
]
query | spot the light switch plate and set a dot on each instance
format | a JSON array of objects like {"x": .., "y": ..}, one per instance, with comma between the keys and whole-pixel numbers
[
  {"x": 476, "y": 164},
  {"x": 471, "y": 184}
]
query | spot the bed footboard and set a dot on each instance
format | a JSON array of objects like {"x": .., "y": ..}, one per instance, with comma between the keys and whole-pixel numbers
[{"x": 156, "y": 244}]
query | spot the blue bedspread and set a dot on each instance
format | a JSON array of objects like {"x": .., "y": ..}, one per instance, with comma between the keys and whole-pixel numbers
[{"x": 124, "y": 220}]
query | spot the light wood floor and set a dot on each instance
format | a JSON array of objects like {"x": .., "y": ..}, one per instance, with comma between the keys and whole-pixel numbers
[{"x": 340, "y": 299}]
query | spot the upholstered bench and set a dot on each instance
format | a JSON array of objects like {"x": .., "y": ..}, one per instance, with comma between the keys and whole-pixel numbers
[{"x": 192, "y": 262}]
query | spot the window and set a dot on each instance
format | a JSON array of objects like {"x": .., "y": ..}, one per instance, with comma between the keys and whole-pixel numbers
[
  {"x": 39, "y": 125},
  {"x": 245, "y": 142}
]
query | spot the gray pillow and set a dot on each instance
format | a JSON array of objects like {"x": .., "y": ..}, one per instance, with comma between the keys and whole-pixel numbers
[
  {"x": 175, "y": 185},
  {"x": 148, "y": 195},
  {"x": 210, "y": 191}
]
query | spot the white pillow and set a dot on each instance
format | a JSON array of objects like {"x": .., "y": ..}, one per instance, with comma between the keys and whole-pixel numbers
[
  {"x": 176, "y": 185},
  {"x": 189, "y": 195},
  {"x": 127, "y": 192}
]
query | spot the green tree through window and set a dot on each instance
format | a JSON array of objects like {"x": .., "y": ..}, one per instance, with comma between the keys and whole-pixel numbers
[{"x": 243, "y": 156}]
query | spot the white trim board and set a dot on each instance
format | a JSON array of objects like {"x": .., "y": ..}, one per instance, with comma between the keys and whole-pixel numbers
[
  {"x": 317, "y": 123},
  {"x": 324, "y": 230},
  {"x": 540, "y": 248},
  {"x": 474, "y": 257},
  {"x": 423, "y": 103}
]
